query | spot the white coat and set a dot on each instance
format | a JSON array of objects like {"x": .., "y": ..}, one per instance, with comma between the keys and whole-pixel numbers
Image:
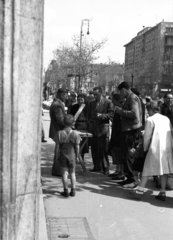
[{"x": 158, "y": 142}]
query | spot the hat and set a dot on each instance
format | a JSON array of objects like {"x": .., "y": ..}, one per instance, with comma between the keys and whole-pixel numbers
[{"x": 62, "y": 90}]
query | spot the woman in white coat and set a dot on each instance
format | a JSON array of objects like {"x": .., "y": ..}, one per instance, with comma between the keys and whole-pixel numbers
[{"x": 159, "y": 147}]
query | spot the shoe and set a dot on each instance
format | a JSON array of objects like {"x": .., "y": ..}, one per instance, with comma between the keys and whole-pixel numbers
[
  {"x": 123, "y": 178},
  {"x": 137, "y": 193},
  {"x": 65, "y": 193},
  {"x": 43, "y": 140},
  {"x": 161, "y": 196},
  {"x": 130, "y": 185},
  {"x": 94, "y": 170},
  {"x": 72, "y": 193},
  {"x": 127, "y": 181},
  {"x": 113, "y": 174},
  {"x": 106, "y": 172}
]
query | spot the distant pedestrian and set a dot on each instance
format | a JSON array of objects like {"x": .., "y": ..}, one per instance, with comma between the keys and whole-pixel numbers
[
  {"x": 166, "y": 108},
  {"x": 89, "y": 97},
  {"x": 67, "y": 153},
  {"x": 42, "y": 131}
]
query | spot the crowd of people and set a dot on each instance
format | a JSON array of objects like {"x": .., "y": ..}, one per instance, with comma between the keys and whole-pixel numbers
[{"x": 137, "y": 134}]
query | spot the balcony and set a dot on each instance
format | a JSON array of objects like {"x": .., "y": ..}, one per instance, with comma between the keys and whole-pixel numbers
[
  {"x": 168, "y": 33},
  {"x": 169, "y": 44}
]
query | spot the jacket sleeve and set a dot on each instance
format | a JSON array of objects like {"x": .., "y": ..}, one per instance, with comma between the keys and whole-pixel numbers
[
  {"x": 149, "y": 126},
  {"x": 59, "y": 115},
  {"x": 133, "y": 109}
]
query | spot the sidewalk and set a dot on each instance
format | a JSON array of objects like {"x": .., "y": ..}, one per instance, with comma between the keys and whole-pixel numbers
[{"x": 101, "y": 209}]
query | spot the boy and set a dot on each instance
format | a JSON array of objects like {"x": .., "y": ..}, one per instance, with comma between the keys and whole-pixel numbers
[{"x": 67, "y": 150}]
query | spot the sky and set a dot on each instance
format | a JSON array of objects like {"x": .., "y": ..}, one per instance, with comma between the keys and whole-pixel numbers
[{"x": 117, "y": 20}]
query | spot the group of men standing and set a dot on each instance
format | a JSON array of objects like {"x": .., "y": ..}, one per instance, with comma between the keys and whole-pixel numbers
[{"x": 100, "y": 112}]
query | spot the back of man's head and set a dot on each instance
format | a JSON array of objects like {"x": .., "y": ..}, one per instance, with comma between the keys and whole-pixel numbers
[
  {"x": 123, "y": 85},
  {"x": 61, "y": 90},
  {"x": 153, "y": 105},
  {"x": 135, "y": 91},
  {"x": 166, "y": 94}
]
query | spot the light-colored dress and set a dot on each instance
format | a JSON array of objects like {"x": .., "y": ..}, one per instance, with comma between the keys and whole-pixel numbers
[{"x": 158, "y": 141}]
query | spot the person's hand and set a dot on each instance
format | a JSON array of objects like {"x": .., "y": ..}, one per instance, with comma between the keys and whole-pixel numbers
[
  {"x": 77, "y": 159},
  {"x": 131, "y": 152},
  {"x": 99, "y": 115},
  {"x": 117, "y": 109}
]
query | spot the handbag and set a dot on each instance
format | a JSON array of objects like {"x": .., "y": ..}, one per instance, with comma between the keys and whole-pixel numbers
[{"x": 139, "y": 158}]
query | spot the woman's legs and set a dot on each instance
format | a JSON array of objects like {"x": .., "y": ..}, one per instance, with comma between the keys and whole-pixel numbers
[
  {"x": 162, "y": 195},
  {"x": 143, "y": 182},
  {"x": 137, "y": 177},
  {"x": 163, "y": 181}
]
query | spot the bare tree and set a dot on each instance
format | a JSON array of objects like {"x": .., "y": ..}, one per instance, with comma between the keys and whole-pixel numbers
[{"x": 77, "y": 59}]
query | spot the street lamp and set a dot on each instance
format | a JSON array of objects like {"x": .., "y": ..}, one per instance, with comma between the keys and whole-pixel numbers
[{"x": 80, "y": 53}]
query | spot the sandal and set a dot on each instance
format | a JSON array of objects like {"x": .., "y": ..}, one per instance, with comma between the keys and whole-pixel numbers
[
  {"x": 161, "y": 196},
  {"x": 136, "y": 193}
]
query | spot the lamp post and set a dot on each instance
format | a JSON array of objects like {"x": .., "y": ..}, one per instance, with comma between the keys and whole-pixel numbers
[{"x": 80, "y": 53}]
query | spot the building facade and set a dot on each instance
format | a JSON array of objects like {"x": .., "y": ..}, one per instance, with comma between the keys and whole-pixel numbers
[
  {"x": 21, "y": 51},
  {"x": 149, "y": 60}
]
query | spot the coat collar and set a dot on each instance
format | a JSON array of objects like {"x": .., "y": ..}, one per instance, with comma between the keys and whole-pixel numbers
[{"x": 57, "y": 99}]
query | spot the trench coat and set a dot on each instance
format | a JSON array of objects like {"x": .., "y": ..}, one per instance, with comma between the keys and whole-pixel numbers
[
  {"x": 158, "y": 141},
  {"x": 57, "y": 113}
]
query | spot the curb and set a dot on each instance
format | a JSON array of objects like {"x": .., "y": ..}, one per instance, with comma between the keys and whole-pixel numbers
[{"x": 42, "y": 234}]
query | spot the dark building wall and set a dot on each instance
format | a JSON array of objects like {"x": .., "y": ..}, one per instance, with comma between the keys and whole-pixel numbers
[
  {"x": 149, "y": 57},
  {"x": 167, "y": 67}
]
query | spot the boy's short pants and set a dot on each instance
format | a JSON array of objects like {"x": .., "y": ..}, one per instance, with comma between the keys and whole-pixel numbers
[{"x": 66, "y": 163}]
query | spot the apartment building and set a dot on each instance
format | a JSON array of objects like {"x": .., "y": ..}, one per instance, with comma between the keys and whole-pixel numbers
[{"x": 149, "y": 59}]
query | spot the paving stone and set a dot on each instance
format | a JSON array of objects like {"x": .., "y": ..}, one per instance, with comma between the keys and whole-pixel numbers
[{"x": 73, "y": 228}]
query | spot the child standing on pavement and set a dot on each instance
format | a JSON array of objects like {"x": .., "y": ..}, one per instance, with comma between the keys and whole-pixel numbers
[{"x": 67, "y": 150}]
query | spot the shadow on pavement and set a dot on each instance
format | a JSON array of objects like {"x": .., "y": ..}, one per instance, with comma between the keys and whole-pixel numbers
[{"x": 92, "y": 182}]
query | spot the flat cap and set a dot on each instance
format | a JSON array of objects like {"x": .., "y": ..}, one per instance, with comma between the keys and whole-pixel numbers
[{"x": 62, "y": 90}]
